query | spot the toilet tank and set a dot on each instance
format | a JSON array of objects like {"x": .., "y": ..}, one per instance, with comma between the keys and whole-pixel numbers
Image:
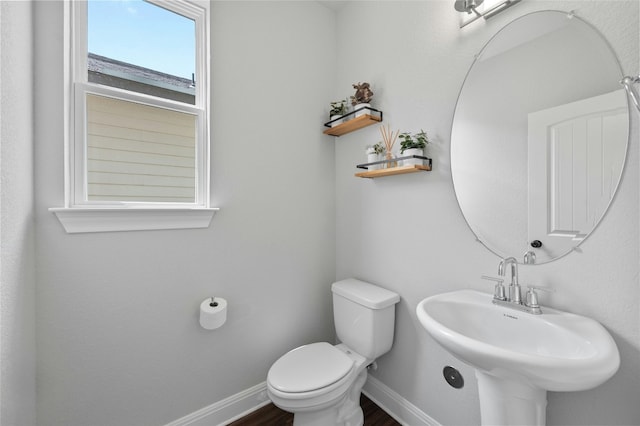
[{"x": 364, "y": 316}]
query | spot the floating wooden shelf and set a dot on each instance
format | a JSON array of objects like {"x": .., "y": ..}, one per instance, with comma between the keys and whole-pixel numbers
[
  {"x": 393, "y": 171},
  {"x": 399, "y": 170},
  {"x": 371, "y": 117}
]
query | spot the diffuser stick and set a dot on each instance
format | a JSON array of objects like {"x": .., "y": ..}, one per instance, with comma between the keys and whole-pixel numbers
[{"x": 389, "y": 137}]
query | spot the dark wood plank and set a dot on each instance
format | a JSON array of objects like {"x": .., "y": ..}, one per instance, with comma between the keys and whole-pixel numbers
[
  {"x": 270, "y": 415},
  {"x": 374, "y": 415}
]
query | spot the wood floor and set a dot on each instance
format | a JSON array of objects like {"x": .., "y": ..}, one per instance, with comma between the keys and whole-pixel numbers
[{"x": 270, "y": 415}]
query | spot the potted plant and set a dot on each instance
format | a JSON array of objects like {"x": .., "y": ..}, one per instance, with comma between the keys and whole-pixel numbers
[
  {"x": 413, "y": 145},
  {"x": 374, "y": 153},
  {"x": 338, "y": 109},
  {"x": 361, "y": 98}
]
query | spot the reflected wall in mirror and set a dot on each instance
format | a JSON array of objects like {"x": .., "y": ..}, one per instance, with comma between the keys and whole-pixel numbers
[{"x": 539, "y": 136}]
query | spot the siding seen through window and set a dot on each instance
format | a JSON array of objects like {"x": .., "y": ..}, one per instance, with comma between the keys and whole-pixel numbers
[{"x": 139, "y": 150}]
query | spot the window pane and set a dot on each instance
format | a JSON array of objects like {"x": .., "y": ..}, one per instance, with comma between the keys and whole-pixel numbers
[
  {"x": 139, "y": 153},
  {"x": 138, "y": 46}
]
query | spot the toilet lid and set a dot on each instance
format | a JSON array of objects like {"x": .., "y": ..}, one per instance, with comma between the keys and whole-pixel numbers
[{"x": 309, "y": 367}]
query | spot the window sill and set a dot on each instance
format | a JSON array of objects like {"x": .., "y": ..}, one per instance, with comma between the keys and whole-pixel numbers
[{"x": 91, "y": 219}]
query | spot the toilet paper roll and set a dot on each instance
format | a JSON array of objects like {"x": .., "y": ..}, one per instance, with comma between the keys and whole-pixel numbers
[{"x": 213, "y": 313}]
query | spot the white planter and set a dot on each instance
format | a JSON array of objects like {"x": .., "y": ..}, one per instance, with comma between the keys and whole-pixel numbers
[
  {"x": 372, "y": 158},
  {"x": 412, "y": 161},
  {"x": 359, "y": 109},
  {"x": 335, "y": 123}
]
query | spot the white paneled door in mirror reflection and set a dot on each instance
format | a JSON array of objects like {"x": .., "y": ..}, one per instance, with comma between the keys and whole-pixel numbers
[{"x": 576, "y": 153}]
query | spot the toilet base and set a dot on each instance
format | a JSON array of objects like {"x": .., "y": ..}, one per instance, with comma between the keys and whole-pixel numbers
[
  {"x": 316, "y": 418},
  {"x": 345, "y": 413},
  {"x": 350, "y": 413},
  {"x": 328, "y": 417}
]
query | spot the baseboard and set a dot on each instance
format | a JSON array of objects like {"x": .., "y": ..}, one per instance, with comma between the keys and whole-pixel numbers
[
  {"x": 227, "y": 410},
  {"x": 239, "y": 405},
  {"x": 394, "y": 404}
]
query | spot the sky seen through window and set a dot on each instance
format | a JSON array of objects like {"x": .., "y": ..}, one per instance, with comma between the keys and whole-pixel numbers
[{"x": 143, "y": 34}]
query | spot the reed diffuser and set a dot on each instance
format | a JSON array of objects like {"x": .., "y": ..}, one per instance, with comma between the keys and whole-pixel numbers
[{"x": 389, "y": 139}]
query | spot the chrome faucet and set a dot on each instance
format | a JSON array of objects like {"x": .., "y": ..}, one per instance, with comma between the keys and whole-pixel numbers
[
  {"x": 514, "y": 300},
  {"x": 515, "y": 292}
]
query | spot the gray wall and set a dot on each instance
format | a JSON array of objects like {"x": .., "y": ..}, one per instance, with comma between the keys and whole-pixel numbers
[
  {"x": 17, "y": 242},
  {"x": 407, "y": 232},
  {"x": 118, "y": 340},
  {"x": 118, "y": 335}
]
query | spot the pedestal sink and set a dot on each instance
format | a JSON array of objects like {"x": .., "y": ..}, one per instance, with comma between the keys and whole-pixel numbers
[{"x": 519, "y": 356}]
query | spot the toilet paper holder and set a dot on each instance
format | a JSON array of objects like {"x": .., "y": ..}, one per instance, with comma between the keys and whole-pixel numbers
[{"x": 213, "y": 312}]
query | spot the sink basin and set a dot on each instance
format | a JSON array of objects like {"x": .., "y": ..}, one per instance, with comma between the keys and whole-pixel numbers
[
  {"x": 519, "y": 356},
  {"x": 556, "y": 350}
]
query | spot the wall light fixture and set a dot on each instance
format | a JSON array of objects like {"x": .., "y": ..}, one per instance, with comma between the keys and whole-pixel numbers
[{"x": 476, "y": 9}]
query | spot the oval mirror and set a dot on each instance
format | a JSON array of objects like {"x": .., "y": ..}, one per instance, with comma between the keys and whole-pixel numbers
[{"x": 539, "y": 136}]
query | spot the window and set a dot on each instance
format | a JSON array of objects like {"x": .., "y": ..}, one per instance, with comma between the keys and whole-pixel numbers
[{"x": 138, "y": 143}]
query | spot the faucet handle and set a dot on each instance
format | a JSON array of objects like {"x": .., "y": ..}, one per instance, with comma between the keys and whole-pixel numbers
[
  {"x": 532, "y": 296},
  {"x": 498, "y": 291},
  {"x": 537, "y": 287},
  {"x": 529, "y": 258}
]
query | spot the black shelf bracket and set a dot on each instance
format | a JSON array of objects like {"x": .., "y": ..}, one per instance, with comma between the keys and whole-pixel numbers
[
  {"x": 350, "y": 115},
  {"x": 394, "y": 160}
]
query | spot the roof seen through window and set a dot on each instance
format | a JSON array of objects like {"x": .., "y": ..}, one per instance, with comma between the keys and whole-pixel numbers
[{"x": 142, "y": 34}]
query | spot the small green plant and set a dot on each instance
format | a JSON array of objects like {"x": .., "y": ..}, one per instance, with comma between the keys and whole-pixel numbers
[
  {"x": 378, "y": 148},
  {"x": 338, "y": 107},
  {"x": 417, "y": 140}
]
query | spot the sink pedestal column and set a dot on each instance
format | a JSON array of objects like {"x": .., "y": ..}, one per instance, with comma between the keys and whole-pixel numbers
[{"x": 509, "y": 402}]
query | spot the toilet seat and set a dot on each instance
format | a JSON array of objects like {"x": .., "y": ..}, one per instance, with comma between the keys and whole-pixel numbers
[{"x": 309, "y": 368}]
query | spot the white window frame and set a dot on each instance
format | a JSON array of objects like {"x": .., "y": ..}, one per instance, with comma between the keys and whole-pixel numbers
[{"x": 81, "y": 215}]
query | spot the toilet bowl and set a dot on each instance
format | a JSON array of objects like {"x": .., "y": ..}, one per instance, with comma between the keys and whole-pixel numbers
[
  {"x": 321, "y": 383},
  {"x": 314, "y": 381}
]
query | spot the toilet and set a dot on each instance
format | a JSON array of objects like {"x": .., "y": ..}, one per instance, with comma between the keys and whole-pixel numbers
[{"x": 321, "y": 383}]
